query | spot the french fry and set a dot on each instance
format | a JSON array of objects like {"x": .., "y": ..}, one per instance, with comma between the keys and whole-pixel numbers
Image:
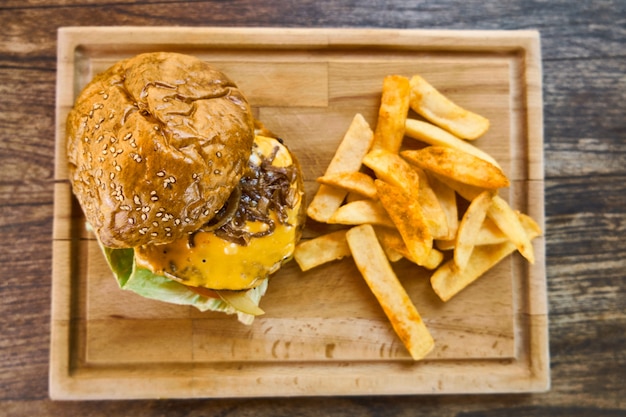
[
  {"x": 509, "y": 223},
  {"x": 357, "y": 182},
  {"x": 448, "y": 203},
  {"x": 427, "y": 101},
  {"x": 466, "y": 191},
  {"x": 433, "y": 135},
  {"x": 394, "y": 170},
  {"x": 352, "y": 196},
  {"x": 392, "y": 254},
  {"x": 490, "y": 234},
  {"x": 448, "y": 280},
  {"x": 372, "y": 262},
  {"x": 434, "y": 214},
  {"x": 469, "y": 227},
  {"x": 458, "y": 165},
  {"x": 407, "y": 216},
  {"x": 392, "y": 113},
  {"x": 361, "y": 212},
  {"x": 354, "y": 145},
  {"x": 322, "y": 249},
  {"x": 392, "y": 240}
]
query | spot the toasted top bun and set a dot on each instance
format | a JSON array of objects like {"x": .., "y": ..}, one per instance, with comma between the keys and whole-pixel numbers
[{"x": 156, "y": 144}]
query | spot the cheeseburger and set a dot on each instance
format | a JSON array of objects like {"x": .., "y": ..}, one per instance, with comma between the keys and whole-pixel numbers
[{"x": 191, "y": 199}]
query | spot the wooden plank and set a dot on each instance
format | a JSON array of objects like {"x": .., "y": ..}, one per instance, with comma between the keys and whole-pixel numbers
[{"x": 310, "y": 328}]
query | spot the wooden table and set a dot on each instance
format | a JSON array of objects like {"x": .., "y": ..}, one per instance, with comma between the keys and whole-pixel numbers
[{"x": 584, "y": 89}]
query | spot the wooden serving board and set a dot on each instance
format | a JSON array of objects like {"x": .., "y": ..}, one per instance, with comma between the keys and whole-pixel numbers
[{"x": 323, "y": 332}]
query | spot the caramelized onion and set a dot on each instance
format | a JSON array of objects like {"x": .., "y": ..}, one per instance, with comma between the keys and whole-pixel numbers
[{"x": 264, "y": 189}]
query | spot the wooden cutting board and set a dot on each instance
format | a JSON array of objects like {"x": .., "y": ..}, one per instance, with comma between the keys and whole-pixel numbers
[{"x": 323, "y": 332}]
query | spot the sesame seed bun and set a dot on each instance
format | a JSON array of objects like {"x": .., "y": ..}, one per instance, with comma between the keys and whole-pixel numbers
[{"x": 156, "y": 144}]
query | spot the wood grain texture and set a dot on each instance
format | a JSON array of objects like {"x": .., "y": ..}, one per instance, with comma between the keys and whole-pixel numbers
[{"x": 585, "y": 144}]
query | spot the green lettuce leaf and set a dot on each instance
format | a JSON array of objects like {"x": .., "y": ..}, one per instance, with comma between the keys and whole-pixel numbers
[{"x": 143, "y": 282}]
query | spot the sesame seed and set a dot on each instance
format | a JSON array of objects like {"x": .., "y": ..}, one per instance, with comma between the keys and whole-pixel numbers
[
  {"x": 172, "y": 180},
  {"x": 105, "y": 96},
  {"x": 144, "y": 216},
  {"x": 177, "y": 222},
  {"x": 131, "y": 220},
  {"x": 125, "y": 207},
  {"x": 146, "y": 209},
  {"x": 100, "y": 138},
  {"x": 154, "y": 234},
  {"x": 218, "y": 154},
  {"x": 154, "y": 198},
  {"x": 112, "y": 149},
  {"x": 159, "y": 214},
  {"x": 113, "y": 139},
  {"x": 217, "y": 172},
  {"x": 137, "y": 200},
  {"x": 160, "y": 174},
  {"x": 112, "y": 175},
  {"x": 127, "y": 136}
]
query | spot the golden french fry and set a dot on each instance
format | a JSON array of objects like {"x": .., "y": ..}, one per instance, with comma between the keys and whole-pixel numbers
[
  {"x": 392, "y": 254},
  {"x": 352, "y": 196},
  {"x": 391, "y": 240},
  {"x": 490, "y": 234},
  {"x": 392, "y": 114},
  {"x": 322, "y": 249},
  {"x": 469, "y": 227},
  {"x": 407, "y": 216},
  {"x": 509, "y": 223},
  {"x": 458, "y": 165},
  {"x": 434, "y": 214},
  {"x": 394, "y": 170},
  {"x": 448, "y": 203},
  {"x": 444, "y": 244},
  {"x": 466, "y": 191},
  {"x": 354, "y": 145},
  {"x": 356, "y": 182},
  {"x": 372, "y": 262},
  {"x": 361, "y": 212},
  {"x": 433, "y": 135},
  {"x": 448, "y": 280},
  {"x": 427, "y": 101}
]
